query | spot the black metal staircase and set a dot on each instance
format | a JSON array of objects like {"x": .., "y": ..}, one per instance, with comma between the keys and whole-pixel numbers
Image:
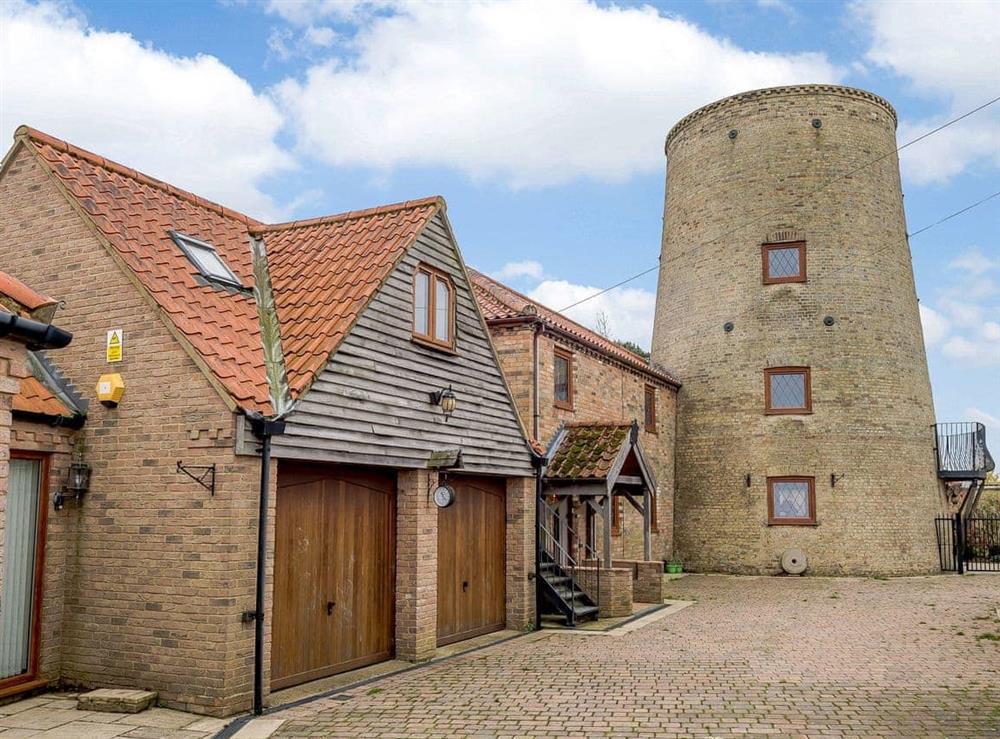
[
  {"x": 963, "y": 459},
  {"x": 558, "y": 577}
]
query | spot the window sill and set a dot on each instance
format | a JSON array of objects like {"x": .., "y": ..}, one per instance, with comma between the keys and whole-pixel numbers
[
  {"x": 788, "y": 412},
  {"x": 428, "y": 344},
  {"x": 785, "y": 280},
  {"x": 794, "y": 522},
  {"x": 562, "y": 406}
]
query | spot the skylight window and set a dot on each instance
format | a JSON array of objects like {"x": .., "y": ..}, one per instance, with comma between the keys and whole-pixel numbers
[{"x": 206, "y": 259}]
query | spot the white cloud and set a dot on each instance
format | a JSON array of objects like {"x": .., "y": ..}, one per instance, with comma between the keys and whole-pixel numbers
[
  {"x": 947, "y": 51},
  {"x": 629, "y": 311},
  {"x": 530, "y": 94},
  {"x": 320, "y": 35},
  {"x": 780, "y": 5},
  {"x": 981, "y": 347},
  {"x": 514, "y": 270},
  {"x": 189, "y": 120},
  {"x": 308, "y": 12},
  {"x": 936, "y": 326},
  {"x": 974, "y": 261}
]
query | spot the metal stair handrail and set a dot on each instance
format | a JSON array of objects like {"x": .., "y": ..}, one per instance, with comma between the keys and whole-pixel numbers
[
  {"x": 568, "y": 559},
  {"x": 961, "y": 450}
]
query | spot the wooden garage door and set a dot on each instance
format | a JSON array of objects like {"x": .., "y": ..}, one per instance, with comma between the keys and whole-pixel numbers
[
  {"x": 334, "y": 571},
  {"x": 471, "y": 554}
]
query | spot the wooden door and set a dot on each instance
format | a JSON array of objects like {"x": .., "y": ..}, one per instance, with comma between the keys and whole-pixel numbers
[
  {"x": 471, "y": 560},
  {"x": 334, "y": 571}
]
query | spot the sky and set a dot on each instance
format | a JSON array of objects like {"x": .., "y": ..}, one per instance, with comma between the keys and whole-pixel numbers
[{"x": 541, "y": 123}]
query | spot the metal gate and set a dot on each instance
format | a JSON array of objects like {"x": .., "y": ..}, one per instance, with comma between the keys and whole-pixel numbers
[{"x": 970, "y": 544}]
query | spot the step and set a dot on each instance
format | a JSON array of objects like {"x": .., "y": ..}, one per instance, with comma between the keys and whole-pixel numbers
[
  {"x": 116, "y": 700},
  {"x": 583, "y": 611},
  {"x": 557, "y": 580}
]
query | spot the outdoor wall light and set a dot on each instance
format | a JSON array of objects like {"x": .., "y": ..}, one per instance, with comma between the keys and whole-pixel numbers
[
  {"x": 446, "y": 399},
  {"x": 77, "y": 484}
]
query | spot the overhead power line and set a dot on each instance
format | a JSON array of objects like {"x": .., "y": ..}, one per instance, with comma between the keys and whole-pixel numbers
[{"x": 819, "y": 189}]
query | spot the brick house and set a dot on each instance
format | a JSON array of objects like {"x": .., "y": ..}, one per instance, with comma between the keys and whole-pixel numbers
[
  {"x": 561, "y": 372},
  {"x": 349, "y": 347}
]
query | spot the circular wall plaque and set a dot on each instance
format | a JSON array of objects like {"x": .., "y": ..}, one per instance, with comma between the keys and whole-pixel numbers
[{"x": 444, "y": 496}]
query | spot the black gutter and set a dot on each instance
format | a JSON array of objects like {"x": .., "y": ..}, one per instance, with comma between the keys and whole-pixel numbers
[
  {"x": 74, "y": 422},
  {"x": 35, "y": 334},
  {"x": 263, "y": 429}
]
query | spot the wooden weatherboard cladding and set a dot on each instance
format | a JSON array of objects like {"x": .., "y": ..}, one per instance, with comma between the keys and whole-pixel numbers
[
  {"x": 371, "y": 404},
  {"x": 791, "y": 501},
  {"x": 783, "y": 262},
  {"x": 787, "y": 390},
  {"x": 433, "y": 307}
]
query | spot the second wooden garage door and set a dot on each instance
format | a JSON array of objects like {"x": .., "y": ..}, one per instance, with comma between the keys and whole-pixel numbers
[
  {"x": 334, "y": 571},
  {"x": 471, "y": 560}
]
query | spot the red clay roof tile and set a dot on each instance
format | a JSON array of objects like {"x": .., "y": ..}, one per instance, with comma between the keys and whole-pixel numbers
[
  {"x": 34, "y": 397},
  {"x": 19, "y": 298},
  {"x": 323, "y": 270},
  {"x": 499, "y": 303}
]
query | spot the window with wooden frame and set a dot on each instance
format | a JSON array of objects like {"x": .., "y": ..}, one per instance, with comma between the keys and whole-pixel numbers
[
  {"x": 784, "y": 262},
  {"x": 562, "y": 379},
  {"x": 791, "y": 501},
  {"x": 649, "y": 409},
  {"x": 433, "y": 308},
  {"x": 787, "y": 390}
]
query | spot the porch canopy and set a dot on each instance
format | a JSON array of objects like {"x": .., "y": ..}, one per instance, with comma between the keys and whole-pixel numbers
[{"x": 595, "y": 463}]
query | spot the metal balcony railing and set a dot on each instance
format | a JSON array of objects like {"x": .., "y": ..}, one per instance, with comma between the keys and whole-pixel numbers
[{"x": 961, "y": 451}]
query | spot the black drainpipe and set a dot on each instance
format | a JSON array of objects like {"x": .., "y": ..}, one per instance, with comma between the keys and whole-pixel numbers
[
  {"x": 263, "y": 429},
  {"x": 539, "y": 326},
  {"x": 539, "y": 463}
]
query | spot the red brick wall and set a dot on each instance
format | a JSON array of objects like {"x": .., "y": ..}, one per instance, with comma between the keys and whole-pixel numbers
[
  {"x": 603, "y": 391},
  {"x": 161, "y": 569}
]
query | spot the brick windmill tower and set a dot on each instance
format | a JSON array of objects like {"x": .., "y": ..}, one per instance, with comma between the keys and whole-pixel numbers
[{"x": 787, "y": 307}]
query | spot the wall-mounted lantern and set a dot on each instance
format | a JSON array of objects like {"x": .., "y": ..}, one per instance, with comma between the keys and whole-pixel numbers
[
  {"x": 77, "y": 484},
  {"x": 446, "y": 399}
]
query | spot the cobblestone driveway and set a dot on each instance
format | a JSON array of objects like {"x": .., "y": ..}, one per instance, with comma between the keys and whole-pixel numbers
[{"x": 819, "y": 657}]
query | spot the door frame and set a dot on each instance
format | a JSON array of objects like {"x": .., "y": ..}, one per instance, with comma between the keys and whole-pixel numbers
[{"x": 29, "y": 680}]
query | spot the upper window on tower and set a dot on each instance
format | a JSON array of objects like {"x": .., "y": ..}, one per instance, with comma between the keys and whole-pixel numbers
[{"x": 784, "y": 262}]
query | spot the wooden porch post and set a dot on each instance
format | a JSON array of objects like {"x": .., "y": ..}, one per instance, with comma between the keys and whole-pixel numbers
[
  {"x": 608, "y": 503},
  {"x": 647, "y": 524}
]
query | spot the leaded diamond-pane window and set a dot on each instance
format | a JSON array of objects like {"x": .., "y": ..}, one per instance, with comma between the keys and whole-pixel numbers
[
  {"x": 787, "y": 390},
  {"x": 792, "y": 499},
  {"x": 784, "y": 262}
]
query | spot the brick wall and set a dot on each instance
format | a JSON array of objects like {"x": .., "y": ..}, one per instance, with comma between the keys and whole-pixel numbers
[
  {"x": 872, "y": 407},
  {"x": 603, "y": 391},
  {"x": 613, "y": 586},
  {"x": 416, "y": 565},
  {"x": 161, "y": 570},
  {"x": 520, "y": 552}
]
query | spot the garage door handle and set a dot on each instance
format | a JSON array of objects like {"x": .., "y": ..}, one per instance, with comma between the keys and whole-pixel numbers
[
  {"x": 329, "y": 608},
  {"x": 465, "y": 586}
]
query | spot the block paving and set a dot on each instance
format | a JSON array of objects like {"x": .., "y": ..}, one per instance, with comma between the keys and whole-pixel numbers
[{"x": 754, "y": 655}]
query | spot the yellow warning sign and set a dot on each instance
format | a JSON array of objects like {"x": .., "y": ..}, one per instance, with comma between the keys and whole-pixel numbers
[{"x": 116, "y": 342}]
